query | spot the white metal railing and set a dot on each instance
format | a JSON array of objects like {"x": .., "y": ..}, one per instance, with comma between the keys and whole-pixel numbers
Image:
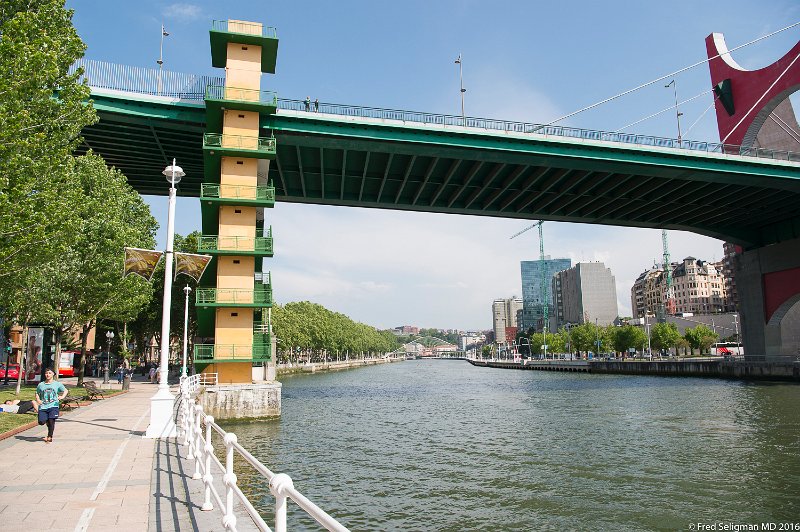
[{"x": 196, "y": 429}]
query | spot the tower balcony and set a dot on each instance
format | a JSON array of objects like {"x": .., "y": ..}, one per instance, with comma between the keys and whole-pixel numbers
[
  {"x": 258, "y": 196},
  {"x": 218, "y": 96},
  {"x": 211, "y": 353},
  {"x": 259, "y": 246},
  {"x": 218, "y": 144},
  {"x": 224, "y": 32},
  {"x": 261, "y": 297}
]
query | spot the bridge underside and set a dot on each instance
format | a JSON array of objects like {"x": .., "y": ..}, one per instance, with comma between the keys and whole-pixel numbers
[{"x": 332, "y": 161}]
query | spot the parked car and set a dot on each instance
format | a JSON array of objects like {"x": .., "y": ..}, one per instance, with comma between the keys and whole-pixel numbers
[{"x": 13, "y": 371}]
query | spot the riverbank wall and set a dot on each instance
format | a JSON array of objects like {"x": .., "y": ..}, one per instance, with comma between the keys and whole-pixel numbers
[
  {"x": 705, "y": 367},
  {"x": 338, "y": 365}
]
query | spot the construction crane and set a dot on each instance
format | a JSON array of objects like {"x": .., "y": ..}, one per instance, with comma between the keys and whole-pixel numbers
[
  {"x": 543, "y": 278},
  {"x": 669, "y": 293}
]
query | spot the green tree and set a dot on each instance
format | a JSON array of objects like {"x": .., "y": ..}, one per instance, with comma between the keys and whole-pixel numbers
[
  {"x": 664, "y": 336},
  {"x": 700, "y": 337},
  {"x": 85, "y": 281},
  {"x": 38, "y": 134},
  {"x": 584, "y": 337},
  {"x": 626, "y": 337}
]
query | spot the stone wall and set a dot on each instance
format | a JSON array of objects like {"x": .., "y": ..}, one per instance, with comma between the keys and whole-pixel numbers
[{"x": 242, "y": 401}]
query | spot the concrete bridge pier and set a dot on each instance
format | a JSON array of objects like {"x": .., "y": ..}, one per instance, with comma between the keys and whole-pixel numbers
[{"x": 768, "y": 281}]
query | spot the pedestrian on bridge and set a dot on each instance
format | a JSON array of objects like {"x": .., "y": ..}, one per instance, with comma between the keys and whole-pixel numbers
[
  {"x": 308, "y": 103},
  {"x": 316, "y": 105}
]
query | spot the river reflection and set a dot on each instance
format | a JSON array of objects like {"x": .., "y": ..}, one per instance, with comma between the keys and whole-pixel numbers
[{"x": 442, "y": 445}]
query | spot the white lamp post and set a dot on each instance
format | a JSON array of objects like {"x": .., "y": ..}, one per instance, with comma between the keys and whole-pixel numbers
[
  {"x": 186, "y": 289},
  {"x": 161, "y": 404},
  {"x": 109, "y": 337}
]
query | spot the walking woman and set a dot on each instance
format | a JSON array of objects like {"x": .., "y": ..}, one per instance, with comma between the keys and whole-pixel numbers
[{"x": 48, "y": 396}]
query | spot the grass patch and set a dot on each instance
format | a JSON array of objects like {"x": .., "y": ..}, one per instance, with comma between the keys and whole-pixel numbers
[{"x": 28, "y": 392}]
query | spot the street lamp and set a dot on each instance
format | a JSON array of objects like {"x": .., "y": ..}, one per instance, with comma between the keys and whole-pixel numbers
[
  {"x": 186, "y": 289},
  {"x": 678, "y": 114},
  {"x": 161, "y": 404},
  {"x": 161, "y": 58},
  {"x": 463, "y": 90},
  {"x": 109, "y": 336}
]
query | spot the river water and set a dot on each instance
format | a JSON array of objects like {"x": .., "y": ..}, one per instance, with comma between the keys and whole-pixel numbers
[{"x": 442, "y": 445}]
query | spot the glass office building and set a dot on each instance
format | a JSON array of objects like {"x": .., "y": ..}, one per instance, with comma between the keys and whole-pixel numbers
[{"x": 533, "y": 295}]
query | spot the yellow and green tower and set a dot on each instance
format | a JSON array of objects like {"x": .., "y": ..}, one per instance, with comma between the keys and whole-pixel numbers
[{"x": 234, "y": 299}]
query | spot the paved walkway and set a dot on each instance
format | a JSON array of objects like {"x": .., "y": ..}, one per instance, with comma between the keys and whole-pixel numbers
[{"x": 100, "y": 473}]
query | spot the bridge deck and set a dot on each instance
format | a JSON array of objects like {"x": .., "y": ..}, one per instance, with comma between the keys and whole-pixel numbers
[{"x": 384, "y": 158}]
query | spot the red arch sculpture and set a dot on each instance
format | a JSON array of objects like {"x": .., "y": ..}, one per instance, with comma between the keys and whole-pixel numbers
[{"x": 739, "y": 90}]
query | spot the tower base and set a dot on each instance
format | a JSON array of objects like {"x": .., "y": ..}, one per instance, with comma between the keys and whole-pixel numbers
[{"x": 242, "y": 401}]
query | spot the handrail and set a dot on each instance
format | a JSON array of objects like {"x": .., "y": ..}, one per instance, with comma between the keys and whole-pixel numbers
[
  {"x": 234, "y": 296},
  {"x": 101, "y": 74},
  {"x": 237, "y": 192},
  {"x": 244, "y": 142},
  {"x": 211, "y": 243},
  {"x": 196, "y": 429},
  {"x": 244, "y": 28},
  {"x": 224, "y": 92},
  {"x": 510, "y": 126}
]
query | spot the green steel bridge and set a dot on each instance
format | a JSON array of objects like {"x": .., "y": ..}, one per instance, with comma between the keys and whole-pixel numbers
[{"x": 393, "y": 159}]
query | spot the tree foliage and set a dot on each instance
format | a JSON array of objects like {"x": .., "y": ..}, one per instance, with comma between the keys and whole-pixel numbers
[
  {"x": 626, "y": 337},
  {"x": 84, "y": 282},
  {"x": 312, "y": 329},
  {"x": 38, "y": 133},
  {"x": 700, "y": 337},
  {"x": 664, "y": 336}
]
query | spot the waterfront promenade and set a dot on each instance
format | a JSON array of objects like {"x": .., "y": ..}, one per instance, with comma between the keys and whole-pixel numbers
[{"x": 100, "y": 473}]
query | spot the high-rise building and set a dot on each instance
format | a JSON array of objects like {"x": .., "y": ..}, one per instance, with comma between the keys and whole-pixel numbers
[
  {"x": 587, "y": 292},
  {"x": 699, "y": 287},
  {"x": 533, "y": 296},
  {"x": 504, "y": 319},
  {"x": 647, "y": 293}
]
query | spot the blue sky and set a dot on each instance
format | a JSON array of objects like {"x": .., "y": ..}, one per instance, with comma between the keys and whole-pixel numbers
[{"x": 531, "y": 61}]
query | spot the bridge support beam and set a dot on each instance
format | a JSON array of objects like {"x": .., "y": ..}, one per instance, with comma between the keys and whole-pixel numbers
[{"x": 768, "y": 281}]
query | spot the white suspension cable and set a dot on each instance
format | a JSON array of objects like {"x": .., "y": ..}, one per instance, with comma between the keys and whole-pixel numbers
[
  {"x": 785, "y": 127},
  {"x": 662, "y": 78},
  {"x": 703, "y": 114},
  {"x": 739, "y": 123},
  {"x": 670, "y": 108}
]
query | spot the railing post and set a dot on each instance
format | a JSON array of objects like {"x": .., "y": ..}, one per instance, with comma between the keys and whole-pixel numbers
[
  {"x": 190, "y": 429},
  {"x": 198, "y": 443},
  {"x": 278, "y": 486},
  {"x": 207, "y": 478},
  {"x": 229, "y": 520}
]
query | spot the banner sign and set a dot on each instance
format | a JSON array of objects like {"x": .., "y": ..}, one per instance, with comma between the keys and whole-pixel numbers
[
  {"x": 141, "y": 262},
  {"x": 191, "y": 265}
]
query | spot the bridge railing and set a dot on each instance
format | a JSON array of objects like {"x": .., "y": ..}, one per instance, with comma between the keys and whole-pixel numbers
[
  {"x": 104, "y": 75},
  {"x": 197, "y": 431},
  {"x": 510, "y": 126}
]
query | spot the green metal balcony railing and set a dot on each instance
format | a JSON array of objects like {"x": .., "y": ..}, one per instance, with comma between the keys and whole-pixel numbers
[
  {"x": 239, "y": 143},
  {"x": 244, "y": 28},
  {"x": 261, "y": 193},
  {"x": 234, "y": 297},
  {"x": 207, "y": 353},
  {"x": 220, "y": 92},
  {"x": 236, "y": 245}
]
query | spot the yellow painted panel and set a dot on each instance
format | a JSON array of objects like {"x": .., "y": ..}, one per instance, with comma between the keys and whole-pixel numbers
[
  {"x": 245, "y": 57},
  {"x": 232, "y": 372},
  {"x": 239, "y": 177},
  {"x": 243, "y": 78},
  {"x": 237, "y": 122},
  {"x": 245, "y": 26},
  {"x": 233, "y": 275},
  {"x": 233, "y": 330},
  {"x": 233, "y": 223}
]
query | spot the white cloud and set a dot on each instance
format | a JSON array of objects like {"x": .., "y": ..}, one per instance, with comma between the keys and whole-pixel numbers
[{"x": 182, "y": 11}]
